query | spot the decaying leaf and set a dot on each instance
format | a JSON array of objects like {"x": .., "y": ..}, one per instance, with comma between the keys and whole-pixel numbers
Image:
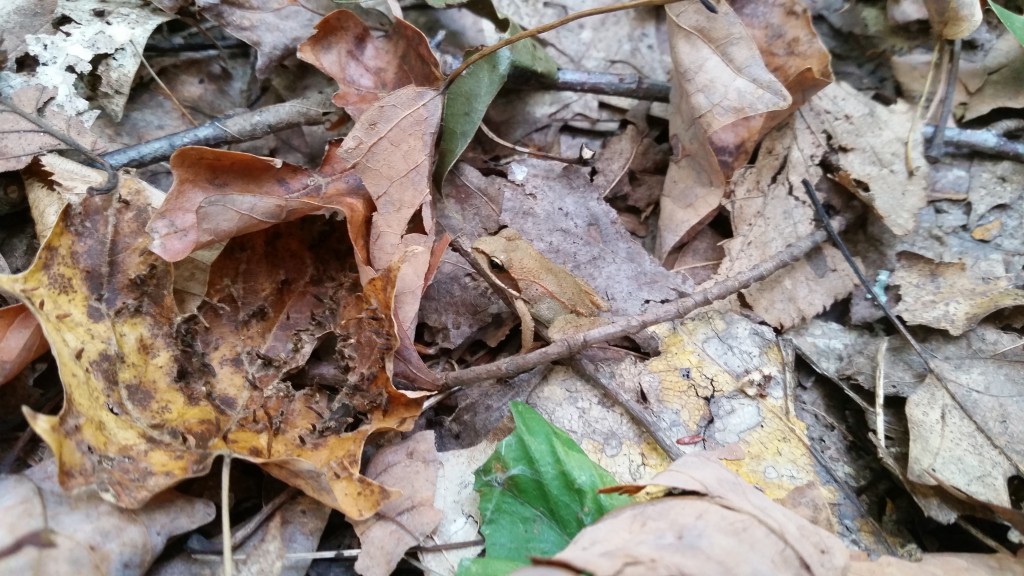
[
  {"x": 150, "y": 400},
  {"x": 412, "y": 467},
  {"x": 89, "y": 536},
  {"x": 21, "y": 139},
  {"x": 862, "y": 145},
  {"x": 769, "y": 211},
  {"x": 718, "y": 78},
  {"x": 952, "y": 296},
  {"x": 218, "y": 194},
  {"x": 366, "y": 66}
]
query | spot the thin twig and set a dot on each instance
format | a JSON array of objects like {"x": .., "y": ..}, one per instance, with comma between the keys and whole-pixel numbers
[
  {"x": 588, "y": 82},
  {"x": 572, "y": 344},
  {"x": 54, "y": 132},
  {"x": 935, "y": 149},
  {"x": 225, "y": 515},
  {"x": 908, "y": 151},
  {"x": 900, "y": 327},
  {"x": 538, "y": 30},
  {"x": 880, "y": 391},
  {"x": 245, "y": 530},
  {"x": 164, "y": 86},
  {"x": 578, "y": 161}
]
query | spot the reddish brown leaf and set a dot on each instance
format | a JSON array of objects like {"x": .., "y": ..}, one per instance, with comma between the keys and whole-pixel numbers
[
  {"x": 367, "y": 66},
  {"x": 21, "y": 340}
]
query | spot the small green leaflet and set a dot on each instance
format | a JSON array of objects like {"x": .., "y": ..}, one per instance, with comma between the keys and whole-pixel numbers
[
  {"x": 537, "y": 491},
  {"x": 1013, "y": 22}
]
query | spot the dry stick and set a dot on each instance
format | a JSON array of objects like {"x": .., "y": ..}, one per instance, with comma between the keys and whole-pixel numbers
[
  {"x": 538, "y": 30},
  {"x": 578, "y": 160},
  {"x": 900, "y": 327},
  {"x": 63, "y": 138},
  {"x": 563, "y": 348},
  {"x": 239, "y": 128},
  {"x": 983, "y": 141},
  {"x": 936, "y": 148},
  {"x": 225, "y": 516}
]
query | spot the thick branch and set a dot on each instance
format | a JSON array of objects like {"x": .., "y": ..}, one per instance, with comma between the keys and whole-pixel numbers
[
  {"x": 566, "y": 347},
  {"x": 239, "y": 128}
]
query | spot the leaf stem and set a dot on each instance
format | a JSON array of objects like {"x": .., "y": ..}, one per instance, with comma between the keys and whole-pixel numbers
[{"x": 538, "y": 30}]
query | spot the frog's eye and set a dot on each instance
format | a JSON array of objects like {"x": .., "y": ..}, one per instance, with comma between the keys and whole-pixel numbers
[{"x": 496, "y": 264}]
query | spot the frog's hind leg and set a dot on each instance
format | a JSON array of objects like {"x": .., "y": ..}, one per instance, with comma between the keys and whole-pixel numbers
[{"x": 527, "y": 325}]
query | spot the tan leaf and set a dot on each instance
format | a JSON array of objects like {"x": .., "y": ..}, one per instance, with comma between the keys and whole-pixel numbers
[
  {"x": 718, "y": 77},
  {"x": 973, "y": 444},
  {"x": 410, "y": 466},
  {"x": 90, "y": 536},
  {"x": 952, "y": 296},
  {"x": 953, "y": 19},
  {"x": 367, "y": 66},
  {"x": 150, "y": 401},
  {"x": 697, "y": 533}
]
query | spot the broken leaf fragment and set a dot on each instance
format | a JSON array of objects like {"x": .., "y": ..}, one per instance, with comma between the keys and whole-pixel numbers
[{"x": 152, "y": 398}]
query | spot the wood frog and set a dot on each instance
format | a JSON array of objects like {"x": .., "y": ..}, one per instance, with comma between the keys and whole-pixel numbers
[{"x": 540, "y": 289}]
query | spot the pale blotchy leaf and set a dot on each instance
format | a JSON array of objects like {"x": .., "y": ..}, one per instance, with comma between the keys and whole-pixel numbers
[
  {"x": 90, "y": 58},
  {"x": 21, "y": 341},
  {"x": 952, "y": 296},
  {"x": 151, "y": 398},
  {"x": 89, "y": 536},
  {"x": 367, "y": 66},
  {"x": 410, "y": 466},
  {"x": 719, "y": 78}
]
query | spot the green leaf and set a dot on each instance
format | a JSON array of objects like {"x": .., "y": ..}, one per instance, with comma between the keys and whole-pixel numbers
[
  {"x": 472, "y": 92},
  {"x": 1013, "y": 22},
  {"x": 464, "y": 107},
  {"x": 488, "y": 567},
  {"x": 538, "y": 490}
]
